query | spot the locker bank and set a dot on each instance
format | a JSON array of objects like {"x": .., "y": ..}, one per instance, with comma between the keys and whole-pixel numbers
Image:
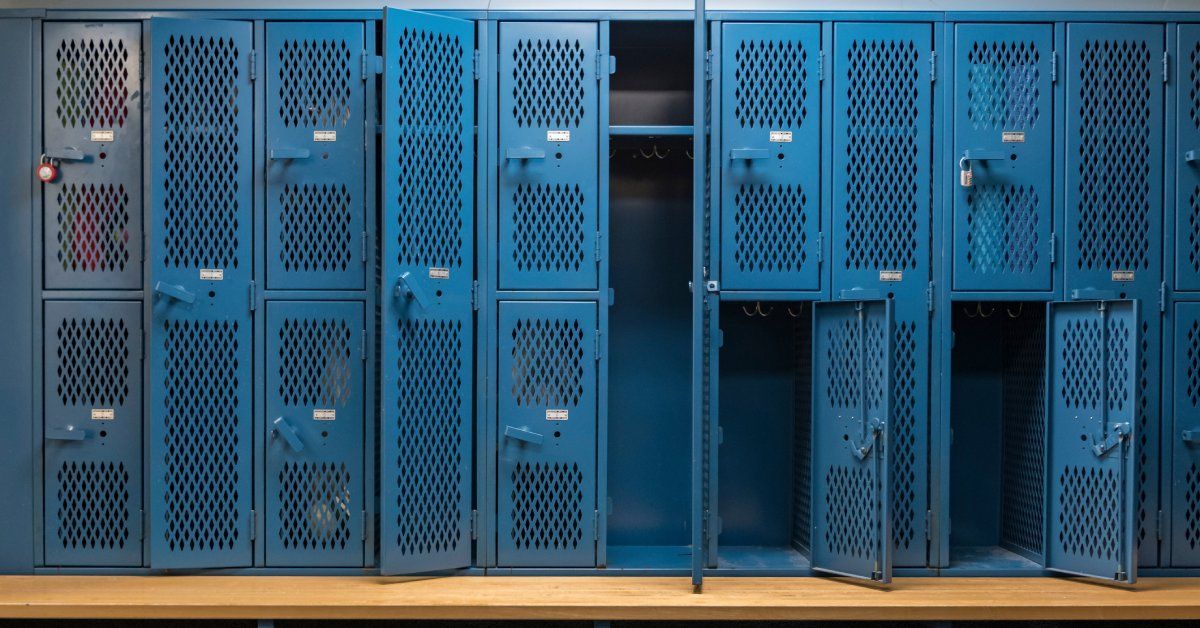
[{"x": 553, "y": 288}]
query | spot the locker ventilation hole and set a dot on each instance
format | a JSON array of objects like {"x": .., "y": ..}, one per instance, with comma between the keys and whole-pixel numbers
[
  {"x": 93, "y": 227},
  {"x": 849, "y": 511},
  {"x": 314, "y": 363},
  {"x": 1083, "y": 367},
  {"x": 1090, "y": 512},
  {"x": 201, "y": 174},
  {"x": 1193, "y": 364},
  {"x": 1194, "y": 85},
  {"x": 883, "y": 206},
  {"x": 547, "y": 362},
  {"x": 202, "y": 429},
  {"x": 770, "y": 84},
  {"x": 92, "y": 83},
  {"x": 770, "y": 228},
  {"x": 430, "y": 445},
  {"x": 547, "y": 506},
  {"x": 1119, "y": 343},
  {"x": 1002, "y": 229},
  {"x": 431, "y": 180},
  {"x": 315, "y": 79},
  {"x": 315, "y": 228},
  {"x": 875, "y": 381},
  {"x": 1144, "y": 422},
  {"x": 1115, "y": 135},
  {"x": 905, "y": 431},
  {"x": 1191, "y": 499},
  {"x": 1023, "y": 447},
  {"x": 1002, "y": 85},
  {"x": 842, "y": 358},
  {"x": 314, "y": 506},
  {"x": 548, "y": 228},
  {"x": 1193, "y": 210},
  {"x": 93, "y": 505},
  {"x": 93, "y": 362},
  {"x": 549, "y": 78}
]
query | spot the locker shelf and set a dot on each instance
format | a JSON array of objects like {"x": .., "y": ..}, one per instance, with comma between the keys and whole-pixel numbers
[{"x": 651, "y": 130}]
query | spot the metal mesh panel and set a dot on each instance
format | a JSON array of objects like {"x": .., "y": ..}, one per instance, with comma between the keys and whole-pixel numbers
[
  {"x": 770, "y": 84},
  {"x": 1002, "y": 229},
  {"x": 844, "y": 365},
  {"x": 548, "y": 228},
  {"x": 547, "y": 362},
  {"x": 314, "y": 506},
  {"x": 548, "y": 83},
  {"x": 1191, "y": 500},
  {"x": 770, "y": 232},
  {"x": 1024, "y": 419},
  {"x": 547, "y": 506},
  {"x": 93, "y": 361},
  {"x": 906, "y": 431},
  {"x": 802, "y": 433},
  {"x": 1146, "y": 420},
  {"x": 315, "y": 233},
  {"x": 93, "y": 83},
  {"x": 92, "y": 224},
  {"x": 1003, "y": 78},
  {"x": 93, "y": 505},
  {"x": 314, "y": 362},
  {"x": 850, "y": 508},
  {"x": 1090, "y": 501},
  {"x": 1083, "y": 367},
  {"x": 315, "y": 82}
]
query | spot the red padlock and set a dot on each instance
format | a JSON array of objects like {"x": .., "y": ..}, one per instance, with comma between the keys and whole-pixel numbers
[{"x": 46, "y": 171}]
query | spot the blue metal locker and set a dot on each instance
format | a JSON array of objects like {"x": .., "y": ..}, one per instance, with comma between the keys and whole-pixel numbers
[
  {"x": 1183, "y": 439},
  {"x": 852, "y": 439},
  {"x": 92, "y": 380},
  {"x": 546, "y": 495},
  {"x": 427, "y": 322},
  {"x": 316, "y": 80},
  {"x": 1186, "y": 159},
  {"x": 770, "y": 203},
  {"x": 549, "y": 138},
  {"x": 92, "y": 127},
  {"x": 1092, "y": 444},
  {"x": 202, "y": 204},
  {"x": 314, "y": 459},
  {"x": 1004, "y": 140}
]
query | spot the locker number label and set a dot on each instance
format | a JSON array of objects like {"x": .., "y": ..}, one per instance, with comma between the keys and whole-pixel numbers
[
  {"x": 781, "y": 136},
  {"x": 102, "y": 136},
  {"x": 324, "y": 414},
  {"x": 1013, "y": 137},
  {"x": 558, "y": 136},
  {"x": 212, "y": 274},
  {"x": 891, "y": 275},
  {"x": 439, "y": 273},
  {"x": 556, "y": 415},
  {"x": 103, "y": 414},
  {"x": 1122, "y": 275},
  {"x": 324, "y": 136}
]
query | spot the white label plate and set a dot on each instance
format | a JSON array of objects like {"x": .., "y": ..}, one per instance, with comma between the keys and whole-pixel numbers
[
  {"x": 781, "y": 136},
  {"x": 324, "y": 414},
  {"x": 324, "y": 136},
  {"x": 212, "y": 274},
  {"x": 1122, "y": 275},
  {"x": 103, "y": 414},
  {"x": 439, "y": 273},
  {"x": 557, "y": 415},
  {"x": 102, "y": 136},
  {"x": 558, "y": 136},
  {"x": 891, "y": 275},
  {"x": 1013, "y": 137}
]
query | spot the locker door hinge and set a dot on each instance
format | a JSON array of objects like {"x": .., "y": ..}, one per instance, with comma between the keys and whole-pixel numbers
[
  {"x": 820, "y": 247},
  {"x": 932, "y": 66},
  {"x": 475, "y": 294},
  {"x": 363, "y": 252},
  {"x": 141, "y": 65},
  {"x": 599, "y": 65},
  {"x": 930, "y": 290},
  {"x": 1162, "y": 296},
  {"x": 253, "y": 524},
  {"x": 1053, "y": 247},
  {"x": 1054, "y": 67},
  {"x": 371, "y": 65},
  {"x": 475, "y": 63},
  {"x": 474, "y": 524},
  {"x": 595, "y": 525},
  {"x": 1166, "y": 65},
  {"x": 821, "y": 66},
  {"x": 253, "y": 296},
  {"x": 253, "y": 65},
  {"x": 1158, "y": 525},
  {"x": 362, "y": 345},
  {"x": 596, "y": 345},
  {"x": 708, "y": 69},
  {"x": 599, "y": 245}
]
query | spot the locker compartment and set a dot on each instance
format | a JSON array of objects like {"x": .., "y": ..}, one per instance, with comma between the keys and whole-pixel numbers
[
  {"x": 653, "y": 84},
  {"x": 1185, "y": 160},
  {"x": 1182, "y": 440}
]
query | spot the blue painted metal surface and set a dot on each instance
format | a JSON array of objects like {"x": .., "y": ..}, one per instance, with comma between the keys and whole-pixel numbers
[
  {"x": 1182, "y": 438},
  {"x": 1185, "y": 160}
]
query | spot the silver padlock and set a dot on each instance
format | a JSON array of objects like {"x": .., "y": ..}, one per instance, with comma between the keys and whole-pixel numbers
[{"x": 966, "y": 176}]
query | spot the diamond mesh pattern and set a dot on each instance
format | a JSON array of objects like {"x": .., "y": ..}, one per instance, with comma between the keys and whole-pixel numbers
[
  {"x": 905, "y": 431},
  {"x": 883, "y": 205},
  {"x": 314, "y": 506},
  {"x": 93, "y": 362},
  {"x": 770, "y": 228},
  {"x": 1193, "y": 232},
  {"x": 429, "y": 442},
  {"x": 1194, "y": 85},
  {"x": 770, "y": 84},
  {"x": 1090, "y": 515},
  {"x": 1191, "y": 499},
  {"x": 200, "y": 205},
  {"x": 314, "y": 362},
  {"x": 1144, "y": 421},
  {"x": 1002, "y": 229},
  {"x": 547, "y": 362},
  {"x": 315, "y": 83},
  {"x": 849, "y": 506},
  {"x": 201, "y": 431},
  {"x": 842, "y": 355},
  {"x": 1002, "y": 92},
  {"x": 548, "y": 227},
  {"x": 92, "y": 84},
  {"x": 93, "y": 505},
  {"x": 547, "y": 506},
  {"x": 1192, "y": 352},
  {"x": 1115, "y": 186},
  {"x": 93, "y": 227},
  {"x": 1024, "y": 416},
  {"x": 315, "y": 227},
  {"x": 802, "y": 433},
  {"x": 1119, "y": 345},
  {"x": 1083, "y": 366},
  {"x": 548, "y": 83}
]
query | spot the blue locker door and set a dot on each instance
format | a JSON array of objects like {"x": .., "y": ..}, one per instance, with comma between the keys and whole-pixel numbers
[
  {"x": 851, "y": 439},
  {"x": 546, "y": 493},
  {"x": 316, "y": 237},
  {"x": 93, "y": 430},
  {"x": 1183, "y": 441},
  {"x": 770, "y": 179},
  {"x": 1092, "y": 445},
  {"x": 91, "y": 81},
  {"x": 1003, "y": 133},
  {"x": 428, "y": 327},
  {"x": 201, "y": 351},
  {"x": 549, "y": 144},
  {"x": 1187, "y": 160},
  {"x": 314, "y": 459},
  {"x": 1114, "y": 157}
]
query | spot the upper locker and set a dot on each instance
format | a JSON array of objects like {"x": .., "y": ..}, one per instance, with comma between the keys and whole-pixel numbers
[
  {"x": 1186, "y": 160},
  {"x": 428, "y": 210}
]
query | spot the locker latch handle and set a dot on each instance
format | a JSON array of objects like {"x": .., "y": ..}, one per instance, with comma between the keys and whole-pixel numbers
[
  {"x": 749, "y": 153},
  {"x": 174, "y": 291},
  {"x": 525, "y": 152},
  {"x": 408, "y": 287},
  {"x": 69, "y": 153},
  {"x": 860, "y": 294},
  {"x": 1119, "y": 432},
  {"x": 1191, "y": 435},
  {"x": 69, "y": 432},
  {"x": 288, "y": 153},
  {"x": 983, "y": 154},
  {"x": 1093, "y": 294},
  {"x": 862, "y": 451},
  {"x": 1191, "y": 155},
  {"x": 521, "y": 433},
  {"x": 284, "y": 429}
]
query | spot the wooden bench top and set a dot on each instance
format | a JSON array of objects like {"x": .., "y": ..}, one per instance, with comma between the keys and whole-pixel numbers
[{"x": 590, "y": 598}]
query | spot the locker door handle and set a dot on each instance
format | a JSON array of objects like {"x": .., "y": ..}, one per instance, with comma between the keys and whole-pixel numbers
[
  {"x": 69, "y": 432},
  {"x": 521, "y": 433},
  {"x": 1119, "y": 432},
  {"x": 70, "y": 153},
  {"x": 525, "y": 152},
  {"x": 408, "y": 287},
  {"x": 862, "y": 451},
  {"x": 288, "y": 153},
  {"x": 1191, "y": 155},
  {"x": 177, "y": 292},
  {"x": 1191, "y": 435},
  {"x": 749, "y": 153},
  {"x": 284, "y": 429},
  {"x": 860, "y": 294},
  {"x": 981, "y": 154},
  {"x": 1092, "y": 294}
]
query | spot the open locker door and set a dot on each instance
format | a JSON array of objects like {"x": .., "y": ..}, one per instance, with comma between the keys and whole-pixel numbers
[
  {"x": 1091, "y": 479},
  {"x": 427, "y": 319},
  {"x": 851, "y": 435}
]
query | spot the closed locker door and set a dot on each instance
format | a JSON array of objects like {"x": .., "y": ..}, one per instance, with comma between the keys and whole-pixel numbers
[
  {"x": 1091, "y": 466},
  {"x": 549, "y": 156},
  {"x": 1186, "y": 160},
  {"x": 202, "y": 326},
  {"x": 316, "y": 237},
  {"x": 92, "y": 228},
  {"x": 1003, "y": 139},
  {"x": 426, "y": 365},
  {"x": 851, "y": 439},
  {"x": 770, "y": 176},
  {"x": 1183, "y": 441},
  {"x": 93, "y": 433},
  {"x": 546, "y": 494},
  {"x": 314, "y": 458}
]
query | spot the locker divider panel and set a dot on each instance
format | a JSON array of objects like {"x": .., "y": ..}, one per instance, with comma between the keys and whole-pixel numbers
[{"x": 1187, "y": 159}]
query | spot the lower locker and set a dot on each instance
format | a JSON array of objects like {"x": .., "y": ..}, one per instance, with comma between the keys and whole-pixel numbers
[{"x": 1182, "y": 439}]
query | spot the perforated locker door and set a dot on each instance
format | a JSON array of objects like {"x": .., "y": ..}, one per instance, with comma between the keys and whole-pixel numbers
[
  {"x": 549, "y": 161},
  {"x": 428, "y": 328},
  {"x": 92, "y": 117},
  {"x": 314, "y": 459},
  {"x": 1114, "y": 156},
  {"x": 1004, "y": 127},
  {"x": 1183, "y": 440},
  {"x": 93, "y": 433},
  {"x": 546, "y": 493},
  {"x": 1186, "y": 159},
  {"x": 316, "y": 236},
  {"x": 770, "y": 178},
  {"x": 1091, "y": 467},
  {"x": 201, "y": 331}
]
